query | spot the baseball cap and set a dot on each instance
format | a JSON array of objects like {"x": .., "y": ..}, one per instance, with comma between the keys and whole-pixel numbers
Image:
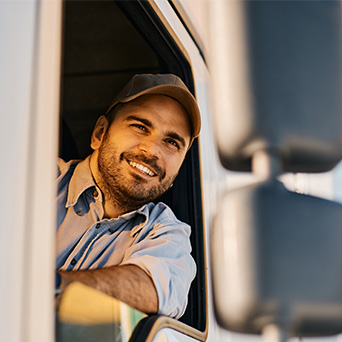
[{"x": 161, "y": 84}]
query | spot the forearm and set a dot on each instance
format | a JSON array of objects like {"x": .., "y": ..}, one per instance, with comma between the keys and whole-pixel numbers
[{"x": 128, "y": 283}]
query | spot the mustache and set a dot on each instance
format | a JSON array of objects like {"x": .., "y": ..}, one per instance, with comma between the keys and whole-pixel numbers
[{"x": 151, "y": 162}]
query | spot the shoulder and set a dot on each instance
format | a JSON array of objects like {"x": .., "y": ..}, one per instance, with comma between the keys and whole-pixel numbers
[
  {"x": 65, "y": 167},
  {"x": 65, "y": 172},
  {"x": 162, "y": 217},
  {"x": 161, "y": 211}
]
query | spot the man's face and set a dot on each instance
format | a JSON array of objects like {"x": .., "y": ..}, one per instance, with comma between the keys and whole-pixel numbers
[{"x": 142, "y": 150}]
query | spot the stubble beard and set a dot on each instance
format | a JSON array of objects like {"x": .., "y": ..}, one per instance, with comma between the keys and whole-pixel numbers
[{"x": 127, "y": 194}]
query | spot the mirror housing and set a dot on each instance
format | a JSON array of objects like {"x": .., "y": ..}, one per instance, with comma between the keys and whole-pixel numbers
[
  {"x": 277, "y": 259},
  {"x": 277, "y": 76}
]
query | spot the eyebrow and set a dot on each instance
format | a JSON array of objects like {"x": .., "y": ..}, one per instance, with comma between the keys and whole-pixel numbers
[
  {"x": 149, "y": 124},
  {"x": 146, "y": 122}
]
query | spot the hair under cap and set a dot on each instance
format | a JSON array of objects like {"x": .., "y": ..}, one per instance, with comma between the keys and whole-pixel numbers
[{"x": 162, "y": 84}]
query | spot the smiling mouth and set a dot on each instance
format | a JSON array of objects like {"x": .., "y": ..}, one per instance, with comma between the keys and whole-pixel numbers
[{"x": 142, "y": 168}]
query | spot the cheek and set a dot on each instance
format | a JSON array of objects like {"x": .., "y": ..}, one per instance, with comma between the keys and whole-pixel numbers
[
  {"x": 174, "y": 164},
  {"x": 123, "y": 141}
]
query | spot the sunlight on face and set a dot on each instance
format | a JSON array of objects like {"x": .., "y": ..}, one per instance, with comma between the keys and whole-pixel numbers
[{"x": 142, "y": 150}]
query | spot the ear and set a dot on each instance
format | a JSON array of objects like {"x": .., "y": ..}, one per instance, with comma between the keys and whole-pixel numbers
[{"x": 99, "y": 131}]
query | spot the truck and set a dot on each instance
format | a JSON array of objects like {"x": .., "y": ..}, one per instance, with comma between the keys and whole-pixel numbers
[{"x": 61, "y": 64}]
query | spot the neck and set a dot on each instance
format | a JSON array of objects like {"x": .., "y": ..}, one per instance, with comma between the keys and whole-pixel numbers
[{"x": 111, "y": 211}]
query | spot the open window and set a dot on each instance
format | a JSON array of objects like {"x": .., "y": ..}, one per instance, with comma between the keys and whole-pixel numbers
[{"x": 105, "y": 44}]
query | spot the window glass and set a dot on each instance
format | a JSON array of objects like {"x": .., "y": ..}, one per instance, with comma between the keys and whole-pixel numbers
[{"x": 89, "y": 315}]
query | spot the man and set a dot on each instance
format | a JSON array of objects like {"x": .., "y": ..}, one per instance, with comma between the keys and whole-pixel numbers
[{"x": 109, "y": 229}]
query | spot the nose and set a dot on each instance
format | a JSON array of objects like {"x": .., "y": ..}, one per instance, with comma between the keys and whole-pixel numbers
[{"x": 151, "y": 146}]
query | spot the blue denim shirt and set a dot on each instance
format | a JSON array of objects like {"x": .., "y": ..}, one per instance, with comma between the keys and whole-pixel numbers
[{"x": 150, "y": 237}]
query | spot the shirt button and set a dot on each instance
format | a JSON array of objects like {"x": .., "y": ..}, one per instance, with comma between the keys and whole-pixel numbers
[
  {"x": 73, "y": 262},
  {"x": 79, "y": 213},
  {"x": 111, "y": 230},
  {"x": 95, "y": 193},
  {"x": 98, "y": 226}
]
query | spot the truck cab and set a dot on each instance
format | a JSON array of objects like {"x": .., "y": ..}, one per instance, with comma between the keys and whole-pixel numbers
[{"x": 62, "y": 63}]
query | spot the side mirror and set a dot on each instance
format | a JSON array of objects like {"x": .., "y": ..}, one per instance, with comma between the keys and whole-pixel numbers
[
  {"x": 277, "y": 86},
  {"x": 277, "y": 76},
  {"x": 277, "y": 259}
]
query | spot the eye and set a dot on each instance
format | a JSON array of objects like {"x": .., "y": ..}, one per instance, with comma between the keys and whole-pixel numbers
[
  {"x": 173, "y": 143},
  {"x": 140, "y": 127}
]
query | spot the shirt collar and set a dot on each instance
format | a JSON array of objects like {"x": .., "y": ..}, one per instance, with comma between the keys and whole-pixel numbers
[
  {"x": 140, "y": 217},
  {"x": 80, "y": 181}
]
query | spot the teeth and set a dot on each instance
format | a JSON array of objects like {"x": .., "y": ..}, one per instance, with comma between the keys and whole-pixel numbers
[{"x": 142, "y": 168}]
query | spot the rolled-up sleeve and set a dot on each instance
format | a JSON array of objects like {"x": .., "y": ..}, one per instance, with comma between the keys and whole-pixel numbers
[{"x": 163, "y": 252}]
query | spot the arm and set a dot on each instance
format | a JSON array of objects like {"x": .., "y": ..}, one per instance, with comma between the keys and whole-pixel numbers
[
  {"x": 164, "y": 254},
  {"x": 128, "y": 283}
]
